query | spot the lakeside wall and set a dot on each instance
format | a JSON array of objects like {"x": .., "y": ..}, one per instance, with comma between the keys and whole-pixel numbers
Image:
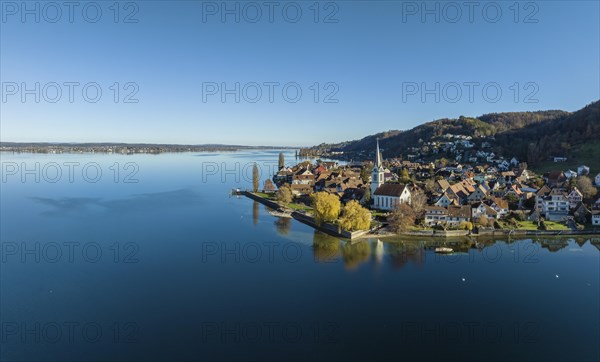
[
  {"x": 327, "y": 228},
  {"x": 333, "y": 230},
  {"x": 535, "y": 232},
  {"x": 453, "y": 233}
]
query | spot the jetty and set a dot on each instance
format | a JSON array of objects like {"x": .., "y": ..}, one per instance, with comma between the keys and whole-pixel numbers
[{"x": 281, "y": 211}]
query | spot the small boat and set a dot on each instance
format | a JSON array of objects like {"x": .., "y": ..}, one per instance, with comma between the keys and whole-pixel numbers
[{"x": 444, "y": 250}]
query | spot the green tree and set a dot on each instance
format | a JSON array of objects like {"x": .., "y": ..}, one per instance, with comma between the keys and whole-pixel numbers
[
  {"x": 281, "y": 160},
  {"x": 255, "y": 177},
  {"x": 512, "y": 199},
  {"x": 284, "y": 194},
  {"x": 364, "y": 174},
  {"x": 326, "y": 207},
  {"x": 367, "y": 197},
  {"x": 355, "y": 217}
]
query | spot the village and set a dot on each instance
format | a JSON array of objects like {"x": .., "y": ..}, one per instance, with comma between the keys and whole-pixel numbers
[{"x": 484, "y": 192}]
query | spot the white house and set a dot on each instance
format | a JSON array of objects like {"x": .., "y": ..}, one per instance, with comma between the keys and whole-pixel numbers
[
  {"x": 504, "y": 165},
  {"x": 500, "y": 206},
  {"x": 583, "y": 170},
  {"x": 575, "y": 197},
  {"x": 480, "y": 209},
  {"x": 596, "y": 217},
  {"x": 458, "y": 214},
  {"x": 435, "y": 215},
  {"x": 555, "y": 206},
  {"x": 570, "y": 174},
  {"x": 444, "y": 201},
  {"x": 479, "y": 194},
  {"x": 303, "y": 177}
]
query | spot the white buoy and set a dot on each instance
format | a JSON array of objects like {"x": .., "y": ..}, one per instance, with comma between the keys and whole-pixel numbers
[{"x": 463, "y": 279}]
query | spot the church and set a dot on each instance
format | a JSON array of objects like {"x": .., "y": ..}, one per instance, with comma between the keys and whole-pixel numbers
[{"x": 386, "y": 196}]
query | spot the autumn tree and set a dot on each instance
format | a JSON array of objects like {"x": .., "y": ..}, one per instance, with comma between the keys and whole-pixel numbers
[
  {"x": 255, "y": 177},
  {"x": 402, "y": 218},
  {"x": 584, "y": 184},
  {"x": 355, "y": 217},
  {"x": 326, "y": 206},
  {"x": 429, "y": 185},
  {"x": 484, "y": 221},
  {"x": 418, "y": 202},
  {"x": 284, "y": 194},
  {"x": 466, "y": 225},
  {"x": 268, "y": 186},
  {"x": 404, "y": 176},
  {"x": 281, "y": 160}
]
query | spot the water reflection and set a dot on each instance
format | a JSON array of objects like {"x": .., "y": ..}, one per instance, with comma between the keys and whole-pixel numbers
[
  {"x": 283, "y": 225},
  {"x": 355, "y": 253},
  {"x": 255, "y": 212},
  {"x": 378, "y": 251},
  {"x": 325, "y": 247},
  {"x": 69, "y": 206},
  {"x": 402, "y": 253},
  {"x": 554, "y": 245}
]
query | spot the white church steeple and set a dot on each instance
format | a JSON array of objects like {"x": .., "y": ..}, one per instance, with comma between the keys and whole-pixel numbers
[{"x": 377, "y": 172}]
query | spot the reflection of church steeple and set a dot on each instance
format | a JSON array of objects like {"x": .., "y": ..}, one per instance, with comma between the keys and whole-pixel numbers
[{"x": 377, "y": 172}]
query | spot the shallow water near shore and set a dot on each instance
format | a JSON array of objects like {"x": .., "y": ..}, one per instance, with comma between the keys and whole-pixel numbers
[{"x": 153, "y": 259}]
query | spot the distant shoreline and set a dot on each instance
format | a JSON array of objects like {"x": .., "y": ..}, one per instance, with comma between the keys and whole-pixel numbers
[{"x": 124, "y": 148}]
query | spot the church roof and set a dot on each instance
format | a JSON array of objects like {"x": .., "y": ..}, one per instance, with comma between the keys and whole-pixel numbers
[{"x": 390, "y": 190}]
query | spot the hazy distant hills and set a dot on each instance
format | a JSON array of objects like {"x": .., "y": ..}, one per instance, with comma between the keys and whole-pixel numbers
[
  {"x": 109, "y": 147},
  {"x": 531, "y": 136}
]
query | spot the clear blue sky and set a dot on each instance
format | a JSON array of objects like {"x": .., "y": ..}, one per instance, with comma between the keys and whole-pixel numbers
[{"x": 374, "y": 54}]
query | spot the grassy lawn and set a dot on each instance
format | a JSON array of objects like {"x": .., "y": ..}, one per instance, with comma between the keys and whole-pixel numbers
[
  {"x": 299, "y": 207},
  {"x": 266, "y": 196},
  {"x": 420, "y": 228},
  {"x": 585, "y": 154},
  {"x": 527, "y": 225},
  {"x": 530, "y": 225},
  {"x": 555, "y": 226}
]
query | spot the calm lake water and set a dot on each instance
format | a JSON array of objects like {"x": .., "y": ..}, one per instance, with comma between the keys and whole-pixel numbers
[{"x": 156, "y": 261}]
